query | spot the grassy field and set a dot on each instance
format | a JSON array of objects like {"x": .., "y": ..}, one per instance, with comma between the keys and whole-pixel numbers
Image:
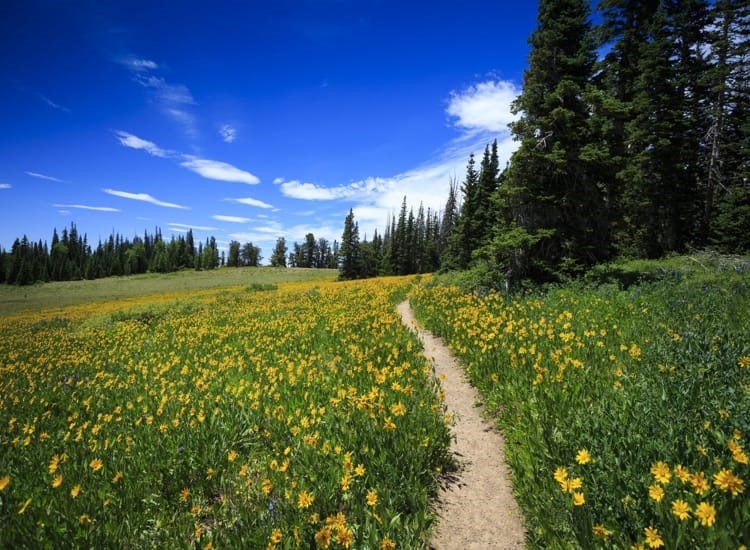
[
  {"x": 46, "y": 296},
  {"x": 267, "y": 415},
  {"x": 624, "y": 399}
]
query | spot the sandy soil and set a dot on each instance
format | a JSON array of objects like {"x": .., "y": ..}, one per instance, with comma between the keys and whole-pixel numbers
[{"x": 476, "y": 506}]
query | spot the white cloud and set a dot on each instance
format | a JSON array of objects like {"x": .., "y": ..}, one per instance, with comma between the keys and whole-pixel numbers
[
  {"x": 144, "y": 197},
  {"x": 85, "y": 207},
  {"x": 217, "y": 170},
  {"x": 251, "y": 202},
  {"x": 228, "y": 133},
  {"x": 484, "y": 106},
  {"x": 139, "y": 65},
  {"x": 52, "y": 104},
  {"x": 43, "y": 177},
  {"x": 311, "y": 191},
  {"x": 166, "y": 92},
  {"x": 277, "y": 181},
  {"x": 134, "y": 142},
  {"x": 5, "y": 186},
  {"x": 230, "y": 219}
]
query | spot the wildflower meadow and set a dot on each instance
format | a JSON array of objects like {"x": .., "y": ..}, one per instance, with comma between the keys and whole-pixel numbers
[
  {"x": 271, "y": 416},
  {"x": 625, "y": 408}
]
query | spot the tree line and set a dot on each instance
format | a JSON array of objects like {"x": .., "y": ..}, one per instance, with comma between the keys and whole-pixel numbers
[{"x": 634, "y": 141}]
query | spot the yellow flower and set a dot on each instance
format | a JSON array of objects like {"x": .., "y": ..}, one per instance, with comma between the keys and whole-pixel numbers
[
  {"x": 372, "y": 497},
  {"x": 184, "y": 494},
  {"x": 578, "y": 499},
  {"x": 682, "y": 473},
  {"x": 23, "y": 507},
  {"x": 661, "y": 472},
  {"x": 304, "y": 500},
  {"x": 344, "y": 537},
  {"x": 53, "y": 464},
  {"x": 232, "y": 455},
  {"x": 323, "y": 537},
  {"x": 4, "y": 482},
  {"x": 359, "y": 470},
  {"x": 573, "y": 484},
  {"x": 656, "y": 492},
  {"x": 653, "y": 538},
  {"x": 96, "y": 464},
  {"x": 84, "y": 519},
  {"x": 583, "y": 456},
  {"x": 75, "y": 491},
  {"x": 681, "y": 509},
  {"x": 117, "y": 477},
  {"x": 398, "y": 409},
  {"x": 266, "y": 486},
  {"x": 561, "y": 475},
  {"x": 699, "y": 482},
  {"x": 728, "y": 482},
  {"x": 276, "y": 536},
  {"x": 706, "y": 513},
  {"x": 601, "y": 532},
  {"x": 387, "y": 544},
  {"x": 57, "y": 481},
  {"x": 744, "y": 362}
]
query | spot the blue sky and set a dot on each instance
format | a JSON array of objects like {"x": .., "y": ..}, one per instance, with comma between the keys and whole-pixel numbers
[{"x": 246, "y": 120}]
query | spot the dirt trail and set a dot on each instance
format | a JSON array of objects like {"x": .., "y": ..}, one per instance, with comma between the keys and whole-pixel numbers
[{"x": 477, "y": 509}]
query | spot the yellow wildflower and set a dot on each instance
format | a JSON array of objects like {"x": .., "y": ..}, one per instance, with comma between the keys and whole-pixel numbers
[
  {"x": 184, "y": 494},
  {"x": 728, "y": 482},
  {"x": 75, "y": 491},
  {"x": 372, "y": 497},
  {"x": 653, "y": 538},
  {"x": 96, "y": 464},
  {"x": 117, "y": 477},
  {"x": 53, "y": 464},
  {"x": 601, "y": 532},
  {"x": 4, "y": 482},
  {"x": 57, "y": 481},
  {"x": 661, "y": 472},
  {"x": 699, "y": 482},
  {"x": 84, "y": 519},
  {"x": 561, "y": 475},
  {"x": 360, "y": 470},
  {"x": 583, "y": 456},
  {"x": 387, "y": 544},
  {"x": 304, "y": 500},
  {"x": 656, "y": 492},
  {"x": 276, "y": 536},
  {"x": 706, "y": 514},
  {"x": 578, "y": 499},
  {"x": 323, "y": 537},
  {"x": 681, "y": 509},
  {"x": 232, "y": 455}
]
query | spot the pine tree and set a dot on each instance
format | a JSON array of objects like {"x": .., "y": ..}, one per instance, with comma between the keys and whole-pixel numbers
[
  {"x": 349, "y": 253},
  {"x": 551, "y": 199}
]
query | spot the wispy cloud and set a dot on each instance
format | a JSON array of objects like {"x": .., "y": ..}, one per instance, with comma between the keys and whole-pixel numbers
[
  {"x": 310, "y": 191},
  {"x": 210, "y": 169},
  {"x": 5, "y": 186},
  {"x": 251, "y": 202},
  {"x": 138, "y": 65},
  {"x": 217, "y": 170},
  {"x": 174, "y": 100},
  {"x": 43, "y": 177},
  {"x": 228, "y": 133},
  {"x": 144, "y": 197},
  {"x": 85, "y": 207},
  {"x": 230, "y": 219},
  {"x": 134, "y": 142},
  {"x": 52, "y": 104}
]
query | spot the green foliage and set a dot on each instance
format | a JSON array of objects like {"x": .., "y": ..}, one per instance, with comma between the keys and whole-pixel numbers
[{"x": 655, "y": 372}]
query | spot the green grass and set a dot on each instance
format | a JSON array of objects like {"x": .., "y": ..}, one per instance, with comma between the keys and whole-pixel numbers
[{"x": 43, "y": 296}]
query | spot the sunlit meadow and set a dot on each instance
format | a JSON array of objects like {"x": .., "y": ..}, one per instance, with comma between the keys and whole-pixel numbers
[
  {"x": 626, "y": 411},
  {"x": 297, "y": 415}
]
